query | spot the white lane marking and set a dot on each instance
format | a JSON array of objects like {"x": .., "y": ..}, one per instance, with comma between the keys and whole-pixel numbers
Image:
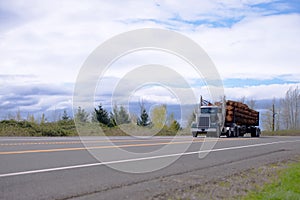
[{"x": 140, "y": 159}]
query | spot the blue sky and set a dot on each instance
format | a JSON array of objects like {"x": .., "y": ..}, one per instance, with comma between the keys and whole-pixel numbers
[{"x": 254, "y": 44}]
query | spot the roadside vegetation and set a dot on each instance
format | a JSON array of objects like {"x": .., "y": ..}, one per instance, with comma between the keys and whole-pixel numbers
[
  {"x": 282, "y": 133},
  {"x": 26, "y": 128},
  {"x": 273, "y": 181},
  {"x": 118, "y": 122},
  {"x": 285, "y": 186}
]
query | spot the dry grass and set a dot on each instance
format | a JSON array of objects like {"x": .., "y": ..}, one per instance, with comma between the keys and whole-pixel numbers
[{"x": 282, "y": 133}]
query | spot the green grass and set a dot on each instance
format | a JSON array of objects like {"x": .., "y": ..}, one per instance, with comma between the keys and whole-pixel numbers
[{"x": 287, "y": 186}]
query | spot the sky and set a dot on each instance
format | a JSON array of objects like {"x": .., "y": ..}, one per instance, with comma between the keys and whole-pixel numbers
[{"x": 254, "y": 44}]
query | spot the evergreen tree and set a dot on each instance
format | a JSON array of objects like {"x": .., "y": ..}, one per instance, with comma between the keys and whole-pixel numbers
[
  {"x": 144, "y": 118},
  {"x": 112, "y": 120},
  {"x": 102, "y": 115},
  {"x": 173, "y": 124},
  {"x": 65, "y": 116}
]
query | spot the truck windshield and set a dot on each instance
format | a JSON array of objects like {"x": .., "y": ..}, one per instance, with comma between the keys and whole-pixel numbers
[{"x": 209, "y": 110}]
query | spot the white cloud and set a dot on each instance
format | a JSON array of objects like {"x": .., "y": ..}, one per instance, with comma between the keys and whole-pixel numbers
[
  {"x": 261, "y": 48},
  {"x": 259, "y": 92},
  {"x": 46, "y": 42}
]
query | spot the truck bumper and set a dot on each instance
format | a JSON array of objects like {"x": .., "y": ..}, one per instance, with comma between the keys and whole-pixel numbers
[{"x": 198, "y": 130}]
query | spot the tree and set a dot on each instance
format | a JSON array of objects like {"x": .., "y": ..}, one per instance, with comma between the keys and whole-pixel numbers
[
  {"x": 123, "y": 116},
  {"x": 290, "y": 108},
  {"x": 30, "y": 118},
  {"x": 112, "y": 121},
  {"x": 120, "y": 115},
  {"x": 43, "y": 119},
  {"x": 268, "y": 116},
  {"x": 81, "y": 115},
  {"x": 18, "y": 115},
  {"x": 192, "y": 118},
  {"x": 242, "y": 99},
  {"x": 144, "y": 118},
  {"x": 102, "y": 115},
  {"x": 251, "y": 103},
  {"x": 158, "y": 116},
  {"x": 65, "y": 116},
  {"x": 173, "y": 124}
]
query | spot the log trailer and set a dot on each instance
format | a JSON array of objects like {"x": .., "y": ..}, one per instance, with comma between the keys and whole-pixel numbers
[{"x": 227, "y": 118}]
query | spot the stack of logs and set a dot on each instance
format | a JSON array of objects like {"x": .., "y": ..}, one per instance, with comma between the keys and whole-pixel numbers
[{"x": 240, "y": 113}]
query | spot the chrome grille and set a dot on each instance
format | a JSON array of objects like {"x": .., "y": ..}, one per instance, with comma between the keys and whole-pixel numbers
[{"x": 203, "y": 122}]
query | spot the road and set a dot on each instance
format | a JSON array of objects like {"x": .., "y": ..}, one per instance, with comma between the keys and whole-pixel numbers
[{"x": 63, "y": 168}]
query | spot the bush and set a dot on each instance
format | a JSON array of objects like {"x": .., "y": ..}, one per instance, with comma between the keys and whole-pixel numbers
[{"x": 25, "y": 128}]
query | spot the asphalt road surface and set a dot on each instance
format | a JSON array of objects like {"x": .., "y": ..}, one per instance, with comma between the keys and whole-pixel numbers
[{"x": 132, "y": 168}]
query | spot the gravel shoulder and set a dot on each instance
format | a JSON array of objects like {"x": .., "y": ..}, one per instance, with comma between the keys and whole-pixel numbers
[{"x": 235, "y": 186}]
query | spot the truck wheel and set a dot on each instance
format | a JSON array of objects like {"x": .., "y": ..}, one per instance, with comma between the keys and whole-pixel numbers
[
  {"x": 257, "y": 132},
  {"x": 236, "y": 132},
  {"x": 195, "y": 134},
  {"x": 227, "y": 133},
  {"x": 231, "y": 134},
  {"x": 253, "y": 132}
]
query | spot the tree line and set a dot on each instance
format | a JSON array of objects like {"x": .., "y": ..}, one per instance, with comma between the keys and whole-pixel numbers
[
  {"x": 65, "y": 125},
  {"x": 157, "y": 118},
  {"x": 284, "y": 113}
]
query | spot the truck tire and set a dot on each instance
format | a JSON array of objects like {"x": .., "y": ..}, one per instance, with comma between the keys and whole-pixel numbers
[
  {"x": 255, "y": 132},
  {"x": 236, "y": 132},
  {"x": 227, "y": 133},
  {"x": 258, "y": 132},
  {"x": 252, "y": 132},
  {"x": 231, "y": 133}
]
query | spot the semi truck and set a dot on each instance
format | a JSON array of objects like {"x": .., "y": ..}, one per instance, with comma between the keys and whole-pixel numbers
[{"x": 226, "y": 118}]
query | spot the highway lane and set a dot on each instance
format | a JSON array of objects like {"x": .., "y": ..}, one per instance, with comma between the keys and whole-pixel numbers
[{"x": 61, "y": 168}]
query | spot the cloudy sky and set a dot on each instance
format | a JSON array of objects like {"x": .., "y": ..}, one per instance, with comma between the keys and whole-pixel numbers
[{"x": 254, "y": 45}]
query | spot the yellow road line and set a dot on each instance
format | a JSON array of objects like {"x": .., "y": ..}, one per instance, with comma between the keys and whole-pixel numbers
[
  {"x": 116, "y": 146},
  {"x": 78, "y": 142},
  {"x": 88, "y": 148},
  {"x": 104, "y": 141}
]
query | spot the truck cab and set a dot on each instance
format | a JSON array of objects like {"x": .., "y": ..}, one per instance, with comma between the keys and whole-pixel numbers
[{"x": 208, "y": 120}]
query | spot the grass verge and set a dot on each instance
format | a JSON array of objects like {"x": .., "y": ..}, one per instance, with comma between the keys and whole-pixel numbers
[
  {"x": 282, "y": 133},
  {"x": 278, "y": 180},
  {"x": 287, "y": 186}
]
